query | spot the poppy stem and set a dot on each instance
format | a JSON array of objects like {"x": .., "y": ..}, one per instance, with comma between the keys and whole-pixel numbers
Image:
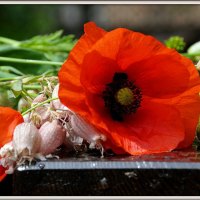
[
  {"x": 38, "y": 105},
  {"x": 28, "y": 61}
]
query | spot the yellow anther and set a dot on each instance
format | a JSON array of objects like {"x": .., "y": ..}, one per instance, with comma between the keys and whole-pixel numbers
[{"x": 125, "y": 96}]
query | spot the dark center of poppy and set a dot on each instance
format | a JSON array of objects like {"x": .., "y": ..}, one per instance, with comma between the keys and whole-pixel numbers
[{"x": 121, "y": 96}]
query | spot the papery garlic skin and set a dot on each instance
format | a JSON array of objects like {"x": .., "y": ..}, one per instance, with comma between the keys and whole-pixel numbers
[
  {"x": 26, "y": 118},
  {"x": 8, "y": 158},
  {"x": 26, "y": 139},
  {"x": 41, "y": 115},
  {"x": 56, "y": 104},
  {"x": 8, "y": 163},
  {"x": 85, "y": 130},
  {"x": 23, "y": 104},
  {"x": 52, "y": 136},
  {"x": 7, "y": 150},
  {"x": 39, "y": 99}
]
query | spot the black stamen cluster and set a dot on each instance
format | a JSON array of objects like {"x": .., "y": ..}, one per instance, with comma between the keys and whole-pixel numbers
[{"x": 117, "y": 111}]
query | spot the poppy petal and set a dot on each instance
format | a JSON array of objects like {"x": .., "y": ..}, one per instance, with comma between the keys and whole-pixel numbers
[
  {"x": 97, "y": 71},
  {"x": 69, "y": 75},
  {"x": 153, "y": 128},
  {"x": 74, "y": 99},
  {"x": 194, "y": 74},
  {"x": 128, "y": 47},
  {"x": 9, "y": 120},
  {"x": 92, "y": 34},
  {"x": 188, "y": 106},
  {"x": 157, "y": 78},
  {"x": 189, "y": 109}
]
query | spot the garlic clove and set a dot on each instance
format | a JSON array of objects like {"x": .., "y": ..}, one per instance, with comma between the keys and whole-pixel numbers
[
  {"x": 39, "y": 99},
  {"x": 56, "y": 104},
  {"x": 85, "y": 130},
  {"x": 27, "y": 118},
  {"x": 26, "y": 139},
  {"x": 23, "y": 105},
  {"x": 7, "y": 150},
  {"x": 41, "y": 115},
  {"x": 52, "y": 136}
]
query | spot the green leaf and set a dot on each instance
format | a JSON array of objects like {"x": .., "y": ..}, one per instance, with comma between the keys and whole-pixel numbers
[
  {"x": 30, "y": 79},
  {"x": 10, "y": 69},
  {"x": 6, "y": 75},
  {"x": 53, "y": 43},
  {"x": 52, "y": 47},
  {"x": 194, "y": 48},
  {"x": 7, "y": 98},
  {"x": 16, "y": 88},
  {"x": 10, "y": 94},
  {"x": 4, "y": 48},
  {"x": 28, "y": 54}
]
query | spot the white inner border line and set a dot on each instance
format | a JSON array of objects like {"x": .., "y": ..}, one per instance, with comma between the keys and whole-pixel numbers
[{"x": 99, "y": 2}]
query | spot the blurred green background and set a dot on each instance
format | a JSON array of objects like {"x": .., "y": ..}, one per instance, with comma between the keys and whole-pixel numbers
[{"x": 23, "y": 21}]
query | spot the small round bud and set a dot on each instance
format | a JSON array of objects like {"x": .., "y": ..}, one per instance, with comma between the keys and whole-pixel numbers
[{"x": 176, "y": 42}]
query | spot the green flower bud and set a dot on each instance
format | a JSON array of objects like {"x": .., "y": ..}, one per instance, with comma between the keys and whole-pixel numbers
[{"x": 176, "y": 42}]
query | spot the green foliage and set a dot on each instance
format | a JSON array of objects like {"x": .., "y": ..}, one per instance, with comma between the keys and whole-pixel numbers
[
  {"x": 52, "y": 47},
  {"x": 16, "y": 88},
  {"x": 24, "y": 21},
  {"x": 176, "y": 42},
  {"x": 20, "y": 76}
]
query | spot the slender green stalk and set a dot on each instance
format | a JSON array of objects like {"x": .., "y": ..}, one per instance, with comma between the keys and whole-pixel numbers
[
  {"x": 27, "y": 94},
  {"x": 32, "y": 87},
  {"x": 9, "y": 41},
  {"x": 27, "y": 98},
  {"x": 190, "y": 54},
  {"x": 28, "y": 61},
  {"x": 38, "y": 105},
  {"x": 12, "y": 78}
]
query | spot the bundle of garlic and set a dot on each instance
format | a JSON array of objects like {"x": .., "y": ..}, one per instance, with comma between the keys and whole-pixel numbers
[{"x": 45, "y": 128}]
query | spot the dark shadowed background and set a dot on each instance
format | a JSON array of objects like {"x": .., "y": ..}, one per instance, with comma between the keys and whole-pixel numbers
[{"x": 21, "y": 22}]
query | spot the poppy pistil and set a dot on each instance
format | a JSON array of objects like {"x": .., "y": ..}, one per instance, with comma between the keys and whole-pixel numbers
[{"x": 121, "y": 96}]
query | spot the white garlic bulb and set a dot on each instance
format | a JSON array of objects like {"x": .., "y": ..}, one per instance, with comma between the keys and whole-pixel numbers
[
  {"x": 85, "y": 130},
  {"x": 56, "y": 104},
  {"x": 6, "y": 150},
  {"x": 7, "y": 158},
  {"x": 23, "y": 104},
  {"x": 26, "y": 139},
  {"x": 26, "y": 117},
  {"x": 39, "y": 99},
  {"x": 52, "y": 136}
]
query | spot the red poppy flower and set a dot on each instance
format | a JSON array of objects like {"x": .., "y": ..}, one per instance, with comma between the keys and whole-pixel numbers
[
  {"x": 140, "y": 94},
  {"x": 9, "y": 120}
]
